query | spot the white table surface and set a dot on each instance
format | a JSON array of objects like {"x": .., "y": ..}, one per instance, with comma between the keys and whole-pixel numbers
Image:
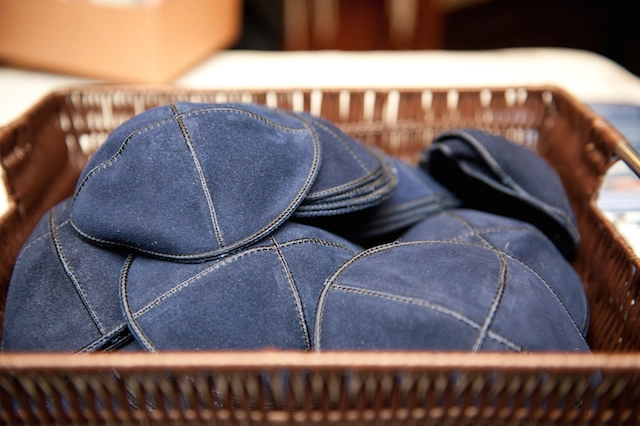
[{"x": 589, "y": 77}]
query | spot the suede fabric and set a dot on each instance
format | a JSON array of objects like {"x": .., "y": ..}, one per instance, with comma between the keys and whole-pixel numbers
[
  {"x": 190, "y": 181},
  {"x": 516, "y": 239},
  {"x": 416, "y": 196},
  {"x": 490, "y": 173},
  {"x": 441, "y": 295},
  {"x": 352, "y": 177},
  {"x": 69, "y": 295},
  {"x": 262, "y": 297},
  {"x": 63, "y": 294},
  {"x": 241, "y": 227}
]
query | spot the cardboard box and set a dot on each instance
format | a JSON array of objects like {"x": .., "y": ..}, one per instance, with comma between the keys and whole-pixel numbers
[{"x": 152, "y": 43}]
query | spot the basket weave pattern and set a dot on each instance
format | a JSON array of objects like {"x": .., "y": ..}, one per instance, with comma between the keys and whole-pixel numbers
[{"x": 44, "y": 151}]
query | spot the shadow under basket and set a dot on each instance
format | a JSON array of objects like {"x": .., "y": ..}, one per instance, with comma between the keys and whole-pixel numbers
[{"x": 43, "y": 152}]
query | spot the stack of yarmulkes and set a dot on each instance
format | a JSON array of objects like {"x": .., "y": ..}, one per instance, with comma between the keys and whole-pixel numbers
[
  {"x": 352, "y": 176},
  {"x": 238, "y": 226}
]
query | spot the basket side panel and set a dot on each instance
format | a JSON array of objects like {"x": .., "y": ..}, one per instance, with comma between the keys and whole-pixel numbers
[
  {"x": 39, "y": 171},
  {"x": 580, "y": 148}
]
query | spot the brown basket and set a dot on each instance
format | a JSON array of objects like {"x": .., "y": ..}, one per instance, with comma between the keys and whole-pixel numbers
[{"x": 44, "y": 151}]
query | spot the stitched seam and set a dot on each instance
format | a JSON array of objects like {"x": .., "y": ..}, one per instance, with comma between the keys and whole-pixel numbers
[
  {"x": 378, "y": 174},
  {"x": 414, "y": 203},
  {"x": 494, "y": 305},
  {"x": 503, "y": 253},
  {"x": 41, "y": 237},
  {"x": 115, "y": 157},
  {"x": 506, "y": 179},
  {"x": 131, "y": 321},
  {"x": 473, "y": 231},
  {"x": 370, "y": 188},
  {"x": 190, "y": 280},
  {"x": 239, "y": 111},
  {"x": 70, "y": 274},
  {"x": 499, "y": 229},
  {"x": 294, "y": 293},
  {"x": 201, "y": 177},
  {"x": 318, "y": 241},
  {"x": 381, "y": 191},
  {"x": 372, "y": 175},
  {"x": 345, "y": 145},
  {"x": 224, "y": 262},
  {"x": 102, "y": 339},
  {"x": 433, "y": 306}
]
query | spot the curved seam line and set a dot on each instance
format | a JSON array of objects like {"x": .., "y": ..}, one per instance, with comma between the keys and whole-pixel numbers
[
  {"x": 118, "y": 153},
  {"x": 67, "y": 269},
  {"x": 369, "y": 188},
  {"x": 203, "y": 180},
  {"x": 223, "y": 262},
  {"x": 265, "y": 230},
  {"x": 476, "y": 232},
  {"x": 433, "y": 306},
  {"x": 105, "y": 337},
  {"x": 40, "y": 238},
  {"x": 131, "y": 321},
  {"x": 240, "y": 111},
  {"x": 294, "y": 293},
  {"x": 497, "y": 229},
  {"x": 494, "y": 305},
  {"x": 318, "y": 241},
  {"x": 362, "y": 181},
  {"x": 381, "y": 192},
  {"x": 167, "y": 294},
  {"x": 506, "y": 179},
  {"x": 370, "y": 176},
  {"x": 344, "y": 144}
]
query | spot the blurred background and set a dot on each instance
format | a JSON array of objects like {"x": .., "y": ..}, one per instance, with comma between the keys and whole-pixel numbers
[
  {"x": 609, "y": 28},
  {"x": 158, "y": 40}
]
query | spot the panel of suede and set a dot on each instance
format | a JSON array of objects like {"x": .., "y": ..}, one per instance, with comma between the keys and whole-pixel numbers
[
  {"x": 45, "y": 308},
  {"x": 472, "y": 291},
  {"x": 345, "y": 162},
  {"x": 210, "y": 180},
  {"x": 265, "y": 171},
  {"x": 263, "y": 296},
  {"x": 244, "y": 307},
  {"x": 366, "y": 321},
  {"x": 489, "y": 173},
  {"x": 519, "y": 240},
  {"x": 532, "y": 316}
]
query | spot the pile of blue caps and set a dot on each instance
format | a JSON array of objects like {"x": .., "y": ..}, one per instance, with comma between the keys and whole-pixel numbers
[{"x": 238, "y": 226}]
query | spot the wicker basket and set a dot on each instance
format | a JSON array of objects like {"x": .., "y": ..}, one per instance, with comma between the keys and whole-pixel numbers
[{"x": 44, "y": 151}]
